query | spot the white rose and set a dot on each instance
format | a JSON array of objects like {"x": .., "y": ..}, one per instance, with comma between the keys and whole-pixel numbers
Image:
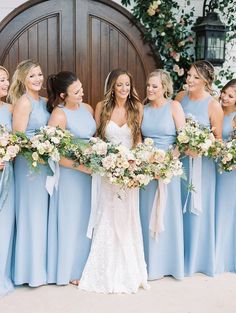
[
  {"x": 35, "y": 156},
  {"x": 55, "y": 140}
]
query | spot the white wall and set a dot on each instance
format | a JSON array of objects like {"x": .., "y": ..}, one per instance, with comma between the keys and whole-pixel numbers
[{"x": 6, "y": 6}]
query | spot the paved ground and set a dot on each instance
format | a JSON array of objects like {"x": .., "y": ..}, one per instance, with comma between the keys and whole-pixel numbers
[{"x": 198, "y": 294}]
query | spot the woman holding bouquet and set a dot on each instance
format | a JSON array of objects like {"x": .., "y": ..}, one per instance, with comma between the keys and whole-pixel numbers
[
  {"x": 70, "y": 205},
  {"x": 31, "y": 197},
  {"x": 163, "y": 238},
  {"x": 7, "y": 212},
  {"x": 199, "y": 206},
  {"x": 116, "y": 261},
  {"x": 225, "y": 190}
]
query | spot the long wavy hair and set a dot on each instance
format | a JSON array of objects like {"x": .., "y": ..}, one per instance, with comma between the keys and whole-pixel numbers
[
  {"x": 2, "y": 68},
  {"x": 205, "y": 70},
  {"x": 18, "y": 88},
  {"x": 131, "y": 105}
]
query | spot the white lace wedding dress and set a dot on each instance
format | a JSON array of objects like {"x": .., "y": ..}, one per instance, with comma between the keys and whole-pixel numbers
[{"x": 116, "y": 261}]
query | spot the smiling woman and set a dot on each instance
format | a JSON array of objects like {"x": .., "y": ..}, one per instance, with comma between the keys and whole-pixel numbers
[
  {"x": 31, "y": 197},
  {"x": 70, "y": 204},
  {"x": 199, "y": 223}
]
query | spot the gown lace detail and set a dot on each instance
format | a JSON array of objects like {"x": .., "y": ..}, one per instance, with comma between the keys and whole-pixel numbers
[{"x": 116, "y": 261}]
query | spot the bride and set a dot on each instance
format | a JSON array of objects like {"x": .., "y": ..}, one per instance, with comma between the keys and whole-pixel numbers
[{"x": 116, "y": 261}]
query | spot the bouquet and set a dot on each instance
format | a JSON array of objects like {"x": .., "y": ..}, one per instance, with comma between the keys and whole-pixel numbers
[
  {"x": 122, "y": 168},
  {"x": 227, "y": 156},
  {"x": 48, "y": 143},
  {"x": 115, "y": 162},
  {"x": 195, "y": 137},
  {"x": 89, "y": 153},
  {"x": 157, "y": 162},
  {"x": 10, "y": 145}
]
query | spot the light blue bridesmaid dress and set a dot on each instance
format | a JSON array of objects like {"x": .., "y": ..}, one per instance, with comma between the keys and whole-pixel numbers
[
  {"x": 226, "y": 212},
  {"x": 164, "y": 256},
  {"x": 70, "y": 205},
  {"x": 199, "y": 229},
  {"x": 31, "y": 202},
  {"x": 7, "y": 214}
]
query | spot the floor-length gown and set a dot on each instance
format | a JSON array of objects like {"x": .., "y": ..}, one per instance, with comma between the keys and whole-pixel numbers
[
  {"x": 226, "y": 212},
  {"x": 7, "y": 214},
  {"x": 164, "y": 255},
  {"x": 70, "y": 205},
  {"x": 116, "y": 261},
  {"x": 31, "y": 203},
  {"x": 199, "y": 229}
]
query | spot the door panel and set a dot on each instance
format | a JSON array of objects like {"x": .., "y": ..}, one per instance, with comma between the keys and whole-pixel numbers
[{"x": 85, "y": 36}]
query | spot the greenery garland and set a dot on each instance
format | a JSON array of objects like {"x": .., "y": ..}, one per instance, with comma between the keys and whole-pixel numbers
[{"x": 168, "y": 29}]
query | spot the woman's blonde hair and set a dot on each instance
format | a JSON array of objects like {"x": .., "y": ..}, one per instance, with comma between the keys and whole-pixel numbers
[
  {"x": 131, "y": 106},
  {"x": 2, "y": 68},
  {"x": 166, "y": 81},
  {"x": 206, "y": 72},
  {"x": 17, "y": 88}
]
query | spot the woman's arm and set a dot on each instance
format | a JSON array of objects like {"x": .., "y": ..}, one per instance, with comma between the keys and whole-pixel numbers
[
  {"x": 58, "y": 118},
  {"x": 216, "y": 116},
  {"x": 21, "y": 112},
  {"x": 140, "y": 122},
  {"x": 98, "y": 111},
  {"x": 178, "y": 114}
]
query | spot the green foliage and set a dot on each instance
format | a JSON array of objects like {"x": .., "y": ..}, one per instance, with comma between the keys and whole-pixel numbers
[{"x": 168, "y": 30}]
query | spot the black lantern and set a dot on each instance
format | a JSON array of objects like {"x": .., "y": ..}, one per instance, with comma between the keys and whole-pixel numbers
[{"x": 210, "y": 36}]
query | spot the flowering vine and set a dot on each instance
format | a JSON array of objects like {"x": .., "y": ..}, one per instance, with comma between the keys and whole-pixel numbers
[{"x": 168, "y": 29}]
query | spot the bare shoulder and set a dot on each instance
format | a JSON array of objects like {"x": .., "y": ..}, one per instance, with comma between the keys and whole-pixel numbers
[
  {"x": 175, "y": 105},
  {"x": 89, "y": 108},
  {"x": 23, "y": 102},
  {"x": 214, "y": 105},
  {"x": 215, "y": 110},
  {"x": 57, "y": 118},
  {"x": 59, "y": 114},
  {"x": 99, "y": 106},
  {"x": 180, "y": 95}
]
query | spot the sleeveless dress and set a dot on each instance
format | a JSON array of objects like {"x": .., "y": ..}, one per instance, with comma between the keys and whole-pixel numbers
[
  {"x": 116, "y": 261},
  {"x": 31, "y": 202},
  {"x": 164, "y": 255},
  {"x": 199, "y": 230},
  {"x": 70, "y": 205},
  {"x": 226, "y": 212},
  {"x": 7, "y": 216}
]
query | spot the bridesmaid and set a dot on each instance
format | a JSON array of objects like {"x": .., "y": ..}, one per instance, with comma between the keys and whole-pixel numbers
[
  {"x": 7, "y": 213},
  {"x": 30, "y": 113},
  {"x": 68, "y": 246},
  {"x": 162, "y": 117},
  {"x": 199, "y": 219},
  {"x": 225, "y": 192}
]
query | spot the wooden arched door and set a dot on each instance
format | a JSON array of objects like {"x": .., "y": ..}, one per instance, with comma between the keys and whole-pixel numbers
[{"x": 89, "y": 37}]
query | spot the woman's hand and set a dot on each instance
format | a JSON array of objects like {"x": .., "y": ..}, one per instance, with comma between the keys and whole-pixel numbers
[
  {"x": 84, "y": 169},
  {"x": 1, "y": 166},
  {"x": 192, "y": 153}
]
